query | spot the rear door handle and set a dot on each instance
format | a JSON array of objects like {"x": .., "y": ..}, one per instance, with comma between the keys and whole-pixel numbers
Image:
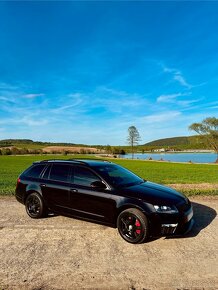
[
  {"x": 73, "y": 190},
  {"x": 43, "y": 185}
]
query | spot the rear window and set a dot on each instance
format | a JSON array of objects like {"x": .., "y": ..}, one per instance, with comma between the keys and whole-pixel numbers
[{"x": 34, "y": 171}]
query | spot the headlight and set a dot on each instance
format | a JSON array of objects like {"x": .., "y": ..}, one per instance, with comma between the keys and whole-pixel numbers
[{"x": 165, "y": 209}]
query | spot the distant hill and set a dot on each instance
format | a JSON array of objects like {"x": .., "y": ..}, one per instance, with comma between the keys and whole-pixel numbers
[
  {"x": 175, "y": 143},
  {"x": 184, "y": 142},
  {"x": 11, "y": 142},
  {"x": 27, "y": 146}
]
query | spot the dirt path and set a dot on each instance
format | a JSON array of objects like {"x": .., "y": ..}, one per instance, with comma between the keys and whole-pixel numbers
[{"x": 63, "y": 253}]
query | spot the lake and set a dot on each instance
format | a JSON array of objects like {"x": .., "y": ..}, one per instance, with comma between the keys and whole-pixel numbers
[{"x": 175, "y": 157}]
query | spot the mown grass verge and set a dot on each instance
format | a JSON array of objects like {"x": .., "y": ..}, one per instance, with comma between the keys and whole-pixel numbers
[
  {"x": 198, "y": 192},
  {"x": 160, "y": 172}
]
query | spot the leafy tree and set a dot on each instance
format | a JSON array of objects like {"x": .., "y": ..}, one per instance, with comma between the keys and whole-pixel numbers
[
  {"x": 208, "y": 128},
  {"x": 133, "y": 138},
  {"x": 108, "y": 149}
]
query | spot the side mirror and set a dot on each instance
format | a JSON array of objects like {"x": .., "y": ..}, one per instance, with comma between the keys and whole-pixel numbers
[{"x": 98, "y": 185}]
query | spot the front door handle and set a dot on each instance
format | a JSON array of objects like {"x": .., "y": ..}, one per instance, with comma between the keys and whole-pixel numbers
[{"x": 73, "y": 190}]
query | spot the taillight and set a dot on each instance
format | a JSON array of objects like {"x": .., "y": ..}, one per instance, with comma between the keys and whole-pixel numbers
[{"x": 18, "y": 181}]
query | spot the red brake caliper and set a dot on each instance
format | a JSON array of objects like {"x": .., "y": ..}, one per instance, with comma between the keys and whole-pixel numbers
[{"x": 137, "y": 224}]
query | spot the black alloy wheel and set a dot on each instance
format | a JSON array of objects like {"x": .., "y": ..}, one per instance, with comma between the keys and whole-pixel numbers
[
  {"x": 132, "y": 225},
  {"x": 34, "y": 206}
]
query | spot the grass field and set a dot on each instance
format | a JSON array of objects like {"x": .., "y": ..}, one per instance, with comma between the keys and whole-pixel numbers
[{"x": 160, "y": 172}]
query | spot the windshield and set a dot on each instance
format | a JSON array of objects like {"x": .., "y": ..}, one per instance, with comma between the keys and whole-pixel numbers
[{"x": 117, "y": 175}]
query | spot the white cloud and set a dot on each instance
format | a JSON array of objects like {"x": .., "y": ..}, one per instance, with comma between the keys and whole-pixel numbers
[
  {"x": 73, "y": 100},
  {"x": 115, "y": 100},
  {"x": 161, "y": 117},
  {"x": 174, "y": 99},
  {"x": 185, "y": 103},
  {"x": 7, "y": 99},
  {"x": 5, "y": 86},
  {"x": 114, "y": 92},
  {"x": 24, "y": 121},
  {"x": 177, "y": 76},
  {"x": 32, "y": 96},
  {"x": 31, "y": 122},
  {"x": 168, "y": 98}
]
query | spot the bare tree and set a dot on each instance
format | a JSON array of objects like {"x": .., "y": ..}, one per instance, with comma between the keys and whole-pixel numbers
[
  {"x": 208, "y": 128},
  {"x": 133, "y": 138}
]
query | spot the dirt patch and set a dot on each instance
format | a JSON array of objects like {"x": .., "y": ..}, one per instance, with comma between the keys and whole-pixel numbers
[
  {"x": 71, "y": 149},
  {"x": 200, "y": 186},
  {"x": 63, "y": 253}
]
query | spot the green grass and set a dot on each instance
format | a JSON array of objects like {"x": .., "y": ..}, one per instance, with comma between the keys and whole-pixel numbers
[
  {"x": 160, "y": 172},
  {"x": 166, "y": 173},
  {"x": 12, "y": 166}
]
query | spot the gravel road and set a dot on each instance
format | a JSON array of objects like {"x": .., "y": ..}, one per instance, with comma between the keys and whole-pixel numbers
[{"x": 64, "y": 253}]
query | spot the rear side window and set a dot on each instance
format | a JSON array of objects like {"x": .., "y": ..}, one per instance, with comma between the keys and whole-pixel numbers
[
  {"x": 34, "y": 171},
  {"x": 59, "y": 172},
  {"x": 84, "y": 176}
]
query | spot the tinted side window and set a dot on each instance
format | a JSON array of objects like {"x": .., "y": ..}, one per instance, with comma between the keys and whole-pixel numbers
[
  {"x": 59, "y": 172},
  {"x": 34, "y": 170},
  {"x": 84, "y": 176}
]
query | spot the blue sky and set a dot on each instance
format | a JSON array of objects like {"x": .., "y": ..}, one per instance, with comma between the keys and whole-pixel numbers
[{"x": 83, "y": 72}]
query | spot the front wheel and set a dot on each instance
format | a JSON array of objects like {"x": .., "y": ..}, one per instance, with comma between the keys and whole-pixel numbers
[
  {"x": 35, "y": 207},
  {"x": 132, "y": 225}
]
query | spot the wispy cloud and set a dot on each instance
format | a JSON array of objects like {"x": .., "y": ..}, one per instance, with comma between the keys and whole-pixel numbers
[
  {"x": 34, "y": 122},
  {"x": 7, "y": 99},
  {"x": 113, "y": 91},
  {"x": 32, "y": 96},
  {"x": 70, "y": 101},
  {"x": 161, "y": 117},
  {"x": 6, "y": 86},
  {"x": 27, "y": 120},
  {"x": 177, "y": 76},
  {"x": 178, "y": 99},
  {"x": 116, "y": 100},
  {"x": 169, "y": 98}
]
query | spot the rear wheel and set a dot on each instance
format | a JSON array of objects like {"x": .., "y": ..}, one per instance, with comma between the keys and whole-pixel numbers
[
  {"x": 35, "y": 207},
  {"x": 132, "y": 225}
]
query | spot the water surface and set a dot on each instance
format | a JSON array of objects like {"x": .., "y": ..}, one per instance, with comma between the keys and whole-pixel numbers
[{"x": 175, "y": 157}]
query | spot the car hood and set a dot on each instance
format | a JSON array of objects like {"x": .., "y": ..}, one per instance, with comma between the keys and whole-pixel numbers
[{"x": 154, "y": 193}]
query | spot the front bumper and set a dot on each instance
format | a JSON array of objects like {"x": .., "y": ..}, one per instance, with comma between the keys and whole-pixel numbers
[
  {"x": 186, "y": 223},
  {"x": 172, "y": 225}
]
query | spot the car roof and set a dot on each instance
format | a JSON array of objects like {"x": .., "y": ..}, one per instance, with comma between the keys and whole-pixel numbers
[{"x": 87, "y": 162}]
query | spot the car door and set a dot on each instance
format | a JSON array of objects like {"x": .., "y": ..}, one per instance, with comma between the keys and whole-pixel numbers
[
  {"x": 55, "y": 186},
  {"x": 87, "y": 201}
]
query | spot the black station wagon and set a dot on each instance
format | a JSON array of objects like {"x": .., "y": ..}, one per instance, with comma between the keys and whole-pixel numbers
[{"x": 105, "y": 193}]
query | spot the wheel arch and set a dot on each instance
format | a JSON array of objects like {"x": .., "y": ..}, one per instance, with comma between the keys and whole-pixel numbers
[
  {"x": 32, "y": 189},
  {"x": 131, "y": 205}
]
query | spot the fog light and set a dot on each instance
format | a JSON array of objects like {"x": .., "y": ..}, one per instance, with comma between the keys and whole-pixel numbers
[{"x": 167, "y": 229}]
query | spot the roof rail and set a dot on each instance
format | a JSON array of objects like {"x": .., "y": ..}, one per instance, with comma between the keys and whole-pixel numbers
[
  {"x": 47, "y": 160},
  {"x": 71, "y": 159},
  {"x": 89, "y": 159},
  {"x": 77, "y": 160},
  {"x": 61, "y": 160}
]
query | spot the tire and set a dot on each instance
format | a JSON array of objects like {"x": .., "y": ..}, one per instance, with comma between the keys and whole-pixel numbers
[
  {"x": 132, "y": 225},
  {"x": 35, "y": 207}
]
